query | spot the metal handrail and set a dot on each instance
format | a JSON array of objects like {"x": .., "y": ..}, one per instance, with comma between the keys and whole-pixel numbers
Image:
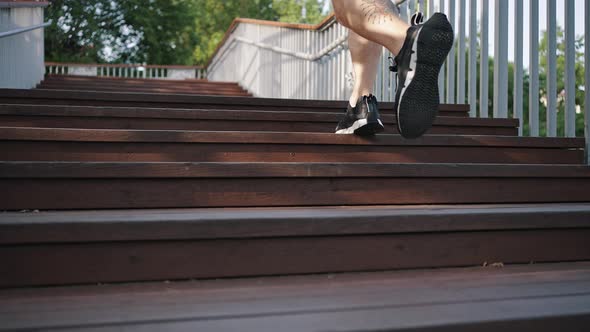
[{"x": 21, "y": 30}]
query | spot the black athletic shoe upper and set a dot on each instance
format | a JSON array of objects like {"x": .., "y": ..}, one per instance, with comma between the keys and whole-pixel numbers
[{"x": 363, "y": 119}]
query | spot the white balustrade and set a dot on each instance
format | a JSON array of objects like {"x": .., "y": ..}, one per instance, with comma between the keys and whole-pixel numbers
[{"x": 126, "y": 71}]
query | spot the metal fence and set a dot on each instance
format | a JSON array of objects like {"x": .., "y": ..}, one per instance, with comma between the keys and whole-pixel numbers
[
  {"x": 21, "y": 44},
  {"x": 313, "y": 62},
  {"x": 127, "y": 70}
]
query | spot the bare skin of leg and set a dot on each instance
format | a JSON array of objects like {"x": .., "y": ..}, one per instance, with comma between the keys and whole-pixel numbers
[
  {"x": 372, "y": 24},
  {"x": 375, "y": 20},
  {"x": 365, "y": 59}
]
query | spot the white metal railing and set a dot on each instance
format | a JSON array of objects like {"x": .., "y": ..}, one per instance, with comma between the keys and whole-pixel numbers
[
  {"x": 22, "y": 30},
  {"x": 282, "y": 62},
  {"x": 126, "y": 71},
  {"x": 290, "y": 62},
  {"x": 21, "y": 44}
]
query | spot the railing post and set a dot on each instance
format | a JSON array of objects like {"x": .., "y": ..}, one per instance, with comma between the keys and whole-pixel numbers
[
  {"x": 551, "y": 69},
  {"x": 484, "y": 66},
  {"x": 451, "y": 59},
  {"x": 441, "y": 75},
  {"x": 587, "y": 81},
  {"x": 534, "y": 68},
  {"x": 570, "y": 65},
  {"x": 473, "y": 58},
  {"x": 501, "y": 59},
  {"x": 461, "y": 54},
  {"x": 518, "y": 73}
]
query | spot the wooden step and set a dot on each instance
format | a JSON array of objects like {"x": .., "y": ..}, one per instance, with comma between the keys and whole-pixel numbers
[
  {"x": 59, "y": 144},
  {"x": 516, "y": 298},
  {"x": 189, "y": 90},
  {"x": 88, "y": 185},
  {"x": 133, "y": 81},
  {"x": 121, "y": 246},
  {"x": 90, "y": 98},
  {"x": 144, "y": 84},
  {"x": 101, "y": 117}
]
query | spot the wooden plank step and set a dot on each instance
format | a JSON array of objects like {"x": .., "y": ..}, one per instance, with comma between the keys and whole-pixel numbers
[
  {"x": 194, "y": 90},
  {"x": 90, "y": 98},
  {"x": 133, "y": 81},
  {"x": 538, "y": 297},
  {"x": 58, "y": 185},
  {"x": 97, "y": 117},
  {"x": 59, "y": 144},
  {"x": 144, "y": 84},
  {"x": 120, "y": 246}
]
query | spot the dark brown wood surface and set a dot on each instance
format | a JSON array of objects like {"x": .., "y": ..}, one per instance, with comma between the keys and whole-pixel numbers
[
  {"x": 539, "y": 297},
  {"x": 134, "y": 81},
  {"x": 211, "y": 223},
  {"x": 59, "y": 144},
  {"x": 120, "y": 193},
  {"x": 114, "y": 135},
  {"x": 60, "y": 116},
  {"x": 267, "y": 152},
  {"x": 121, "y": 99},
  {"x": 213, "y": 91},
  {"x": 78, "y": 263},
  {"x": 98, "y": 170}
]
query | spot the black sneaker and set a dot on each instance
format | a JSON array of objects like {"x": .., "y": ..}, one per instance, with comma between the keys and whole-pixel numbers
[
  {"x": 363, "y": 119},
  {"x": 418, "y": 64}
]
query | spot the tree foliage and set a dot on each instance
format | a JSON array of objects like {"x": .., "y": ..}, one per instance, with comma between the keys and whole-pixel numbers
[
  {"x": 559, "y": 93},
  {"x": 156, "y": 31}
]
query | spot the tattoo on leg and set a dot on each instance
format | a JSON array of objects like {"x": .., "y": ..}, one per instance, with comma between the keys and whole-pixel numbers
[{"x": 378, "y": 11}]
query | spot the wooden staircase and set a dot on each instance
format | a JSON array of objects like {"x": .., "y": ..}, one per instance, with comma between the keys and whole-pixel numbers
[
  {"x": 115, "y": 84},
  {"x": 148, "y": 182}
]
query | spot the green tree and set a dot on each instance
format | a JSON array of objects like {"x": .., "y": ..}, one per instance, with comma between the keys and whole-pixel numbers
[
  {"x": 156, "y": 31},
  {"x": 559, "y": 94},
  {"x": 213, "y": 17},
  {"x": 298, "y": 11},
  {"x": 210, "y": 29},
  {"x": 579, "y": 70}
]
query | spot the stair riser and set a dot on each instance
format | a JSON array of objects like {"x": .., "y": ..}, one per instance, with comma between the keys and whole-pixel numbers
[
  {"x": 222, "y": 125},
  {"x": 64, "y": 85},
  {"x": 78, "y": 263},
  {"x": 128, "y": 87},
  {"x": 107, "y": 193},
  {"x": 286, "y": 107},
  {"x": 236, "y": 152},
  {"x": 195, "y": 91}
]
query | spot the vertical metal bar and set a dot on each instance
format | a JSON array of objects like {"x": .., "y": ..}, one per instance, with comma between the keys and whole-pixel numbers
[
  {"x": 441, "y": 75},
  {"x": 518, "y": 73},
  {"x": 451, "y": 59},
  {"x": 472, "y": 58},
  {"x": 551, "y": 69},
  {"x": 430, "y": 10},
  {"x": 484, "y": 64},
  {"x": 570, "y": 68},
  {"x": 587, "y": 79},
  {"x": 461, "y": 54},
  {"x": 404, "y": 11},
  {"x": 306, "y": 76},
  {"x": 501, "y": 59},
  {"x": 534, "y": 68}
]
